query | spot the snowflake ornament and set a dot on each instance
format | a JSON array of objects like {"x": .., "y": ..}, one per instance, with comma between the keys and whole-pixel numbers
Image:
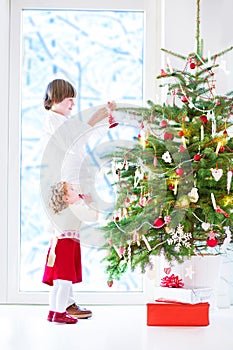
[
  {"x": 179, "y": 237},
  {"x": 189, "y": 272},
  {"x": 166, "y": 157}
]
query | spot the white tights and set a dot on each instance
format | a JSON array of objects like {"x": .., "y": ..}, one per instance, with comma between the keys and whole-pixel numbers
[{"x": 61, "y": 296}]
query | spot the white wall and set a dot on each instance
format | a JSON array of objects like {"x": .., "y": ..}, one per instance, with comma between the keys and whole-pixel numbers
[{"x": 216, "y": 29}]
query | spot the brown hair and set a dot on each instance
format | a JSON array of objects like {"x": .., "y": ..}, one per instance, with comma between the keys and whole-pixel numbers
[
  {"x": 57, "y": 91},
  {"x": 57, "y": 200}
]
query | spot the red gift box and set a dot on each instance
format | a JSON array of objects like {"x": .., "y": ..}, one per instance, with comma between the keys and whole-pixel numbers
[{"x": 177, "y": 314}]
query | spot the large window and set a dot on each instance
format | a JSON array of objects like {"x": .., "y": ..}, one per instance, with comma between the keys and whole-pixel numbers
[{"x": 102, "y": 52}]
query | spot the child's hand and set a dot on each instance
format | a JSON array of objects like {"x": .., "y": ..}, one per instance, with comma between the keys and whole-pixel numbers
[
  {"x": 102, "y": 113},
  {"x": 112, "y": 105},
  {"x": 87, "y": 198}
]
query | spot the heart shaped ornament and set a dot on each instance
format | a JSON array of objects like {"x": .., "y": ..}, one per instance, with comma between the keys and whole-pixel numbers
[
  {"x": 205, "y": 226},
  {"x": 217, "y": 174},
  {"x": 167, "y": 270}
]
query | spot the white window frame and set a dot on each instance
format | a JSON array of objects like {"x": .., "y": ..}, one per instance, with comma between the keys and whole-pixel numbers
[
  {"x": 4, "y": 88},
  {"x": 10, "y": 227}
]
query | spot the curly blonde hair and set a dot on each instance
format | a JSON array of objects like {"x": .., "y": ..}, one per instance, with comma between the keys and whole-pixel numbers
[{"x": 57, "y": 200}]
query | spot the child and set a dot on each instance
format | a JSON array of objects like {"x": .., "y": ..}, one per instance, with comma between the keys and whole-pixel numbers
[
  {"x": 59, "y": 101},
  {"x": 63, "y": 264}
]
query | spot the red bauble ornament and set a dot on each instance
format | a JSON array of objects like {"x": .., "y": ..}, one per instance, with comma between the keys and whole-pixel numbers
[
  {"x": 112, "y": 122},
  {"x": 204, "y": 119},
  {"x": 212, "y": 242},
  {"x": 221, "y": 149},
  {"x": 159, "y": 222},
  {"x": 163, "y": 124},
  {"x": 184, "y": 99},
  {"x": 192, "y": 65},
  {"x": 168, "y": 136},
  {"x": 171, "y": 187},
  {"x": 197, "y": 157},
  {"x": 110, "y": 283},
  {"x": 181, "y": 133},
  {"x": 179, "y": 171},
  {"x": 225, "y": 133}
]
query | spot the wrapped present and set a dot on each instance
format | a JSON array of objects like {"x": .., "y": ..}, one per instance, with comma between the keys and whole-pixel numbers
[
  {"x": 169, "y": 313},
  {"x": 185, "y": 295}
]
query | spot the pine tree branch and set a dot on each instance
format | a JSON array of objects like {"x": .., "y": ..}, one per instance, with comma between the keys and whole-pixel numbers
[
  {"x": 221, "y": 53},
  {"x": 174, "y": 54}
]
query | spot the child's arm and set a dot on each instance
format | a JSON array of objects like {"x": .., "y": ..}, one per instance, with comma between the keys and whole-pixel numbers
[
  {"x": 85, "y": 212},
  {"x": 101, "y": 113}
]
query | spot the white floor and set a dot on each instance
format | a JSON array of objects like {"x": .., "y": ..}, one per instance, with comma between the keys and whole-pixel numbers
[{"x": 111, "y": 328}]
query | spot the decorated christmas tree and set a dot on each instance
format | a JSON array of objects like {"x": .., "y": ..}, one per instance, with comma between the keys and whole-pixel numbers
[{"x": 174, "y": 187}]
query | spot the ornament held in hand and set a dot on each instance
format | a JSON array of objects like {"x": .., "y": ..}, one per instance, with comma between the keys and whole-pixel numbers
[{"x": 112, "y": 122}]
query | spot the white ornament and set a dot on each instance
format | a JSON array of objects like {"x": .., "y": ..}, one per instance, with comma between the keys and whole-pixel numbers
[
  {"x": 205, "y": 226},
  {"x": 146, "y": 243},
  {"x": 202, "y": 132},
  {"x": 139, "y": 174},
  {"x": 179, "y": 237},
  {"x": 217, "y": 174},
  {"x": 193, "y": 195},
  {"x": 213, "y": 127},
  {"x": 126, "y": 164},
  {"x": 189, "y": 272},
  {"x": 166, "y": 157},
  {"x": 227, "y": 240},
  {"x": 229, "y": 179},
  {"x": 129, "y": 254},
  {"x": 223, "y": 65},
  {"x": 117, "y": 251},
  {"x": 218, "y": 147},
  {"x": 213, "y": 201}
]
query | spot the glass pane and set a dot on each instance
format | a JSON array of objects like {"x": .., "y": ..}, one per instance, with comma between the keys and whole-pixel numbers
[{"x": 101, "y": 54}]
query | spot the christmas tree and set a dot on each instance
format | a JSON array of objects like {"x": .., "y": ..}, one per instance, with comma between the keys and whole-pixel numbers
[{"x": 174, "y": 188}]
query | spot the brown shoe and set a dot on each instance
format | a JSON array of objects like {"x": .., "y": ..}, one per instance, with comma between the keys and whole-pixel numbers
[{"x": 78, "y": 312}]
